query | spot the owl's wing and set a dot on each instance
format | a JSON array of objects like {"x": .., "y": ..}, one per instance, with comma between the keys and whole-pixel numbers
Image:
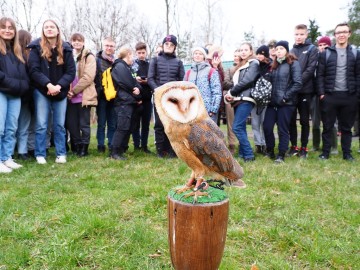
[{"x": 207, "y": 141}]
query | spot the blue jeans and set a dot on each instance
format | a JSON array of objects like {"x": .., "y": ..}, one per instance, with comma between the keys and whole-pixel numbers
[
  {"x": 106, "y": 115},
  {"x": 242, "y": 112},
  {"x": 22, "y": 133},
  {"x": 43, "y": 106},
  {"x": 9, "y": 114}
]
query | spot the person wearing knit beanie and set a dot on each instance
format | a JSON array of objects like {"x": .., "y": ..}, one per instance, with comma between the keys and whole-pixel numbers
[
  {"x": 170, "y": 38},
  {"x": 201, "y": 50},
  {"x": 284, "y": 44},
  {"x": 264, "y": 50},
  {"x": 323, "y": 42}
]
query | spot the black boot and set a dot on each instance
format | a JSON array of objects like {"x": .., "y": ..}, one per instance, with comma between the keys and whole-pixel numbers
[
  {"x": 101, "y": 148},
  {"x": 117, "y": 154},
  {"x": 84, "y": 150},
  {"x": 78, "y": 148},
  {"x": 280, "y": 158},
  {"x": 270, "y": 153}
]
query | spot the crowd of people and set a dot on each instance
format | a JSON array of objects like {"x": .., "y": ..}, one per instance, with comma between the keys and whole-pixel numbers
[{"x": 48, "y": 87}]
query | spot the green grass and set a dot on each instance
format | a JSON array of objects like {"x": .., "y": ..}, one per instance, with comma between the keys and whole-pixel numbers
[{"x": 98, "y": 213}]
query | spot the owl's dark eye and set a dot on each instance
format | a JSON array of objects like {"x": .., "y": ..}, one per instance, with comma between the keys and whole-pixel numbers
[
  {"x": 192, "y": 99},
  {"x": 173, "y": 100}
]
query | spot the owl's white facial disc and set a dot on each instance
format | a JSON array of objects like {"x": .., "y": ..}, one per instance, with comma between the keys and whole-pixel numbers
[{"x": 181, "y": 105}]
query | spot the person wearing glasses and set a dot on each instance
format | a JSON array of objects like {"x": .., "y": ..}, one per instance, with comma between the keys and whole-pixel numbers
[
  {"x": 338, "y": 88},
  {"x": 105, "y": 109}
]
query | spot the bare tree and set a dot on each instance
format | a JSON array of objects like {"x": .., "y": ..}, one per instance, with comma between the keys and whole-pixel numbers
[
  {"x": 148, "y": 34},
  {"x": 26, "y": 13}
]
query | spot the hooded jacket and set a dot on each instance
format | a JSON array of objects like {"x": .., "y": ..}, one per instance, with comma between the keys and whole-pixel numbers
[
  {"x": 39, "y": 70},
  {"x": 307, "y": 55},
  {"x": 210, "y": 88},
  {"x": 124, "y": 83}
]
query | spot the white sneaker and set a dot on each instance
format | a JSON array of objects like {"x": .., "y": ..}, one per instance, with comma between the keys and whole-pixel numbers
[
  {"x": 41, "y": 160},
  {"x": 11, "y": 164},
  {"x": 60, "y": 159},
  {"x": 4, "y": 169}
]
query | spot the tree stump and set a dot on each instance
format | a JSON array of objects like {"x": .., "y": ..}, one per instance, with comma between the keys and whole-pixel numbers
[{"x": 197, "y": 233}]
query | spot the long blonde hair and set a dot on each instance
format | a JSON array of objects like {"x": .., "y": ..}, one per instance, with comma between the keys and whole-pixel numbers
[
  {"x": 46, "y": 47},
  {"x": 15, "y": 42}
]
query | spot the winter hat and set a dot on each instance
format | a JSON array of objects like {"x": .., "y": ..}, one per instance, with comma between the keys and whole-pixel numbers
[
  {"x": 170, "y": 38},
  {"x": 264, "y": 50},
  {"x": 200, "y": 49},
  {"x": 283, "y": 43},
  {"x": 272, "y": 43},
  {"x": 325, "y": 40}
]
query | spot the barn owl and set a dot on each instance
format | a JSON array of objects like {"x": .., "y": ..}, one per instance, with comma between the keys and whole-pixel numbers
[{"x": 195, "y": 137}]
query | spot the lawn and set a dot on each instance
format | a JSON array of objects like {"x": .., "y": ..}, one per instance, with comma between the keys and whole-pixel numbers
[{"x": 98, "y": 213}]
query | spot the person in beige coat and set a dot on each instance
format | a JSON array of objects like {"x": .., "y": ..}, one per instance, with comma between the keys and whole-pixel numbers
[{"x": 81, "y": 97}]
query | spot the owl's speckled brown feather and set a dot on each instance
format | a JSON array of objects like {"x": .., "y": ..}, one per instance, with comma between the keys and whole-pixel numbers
[{"x": 195, "y": 138}]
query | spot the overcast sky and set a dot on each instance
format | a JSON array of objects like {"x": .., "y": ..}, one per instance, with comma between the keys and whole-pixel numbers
[{"x": 269, "y": 19}]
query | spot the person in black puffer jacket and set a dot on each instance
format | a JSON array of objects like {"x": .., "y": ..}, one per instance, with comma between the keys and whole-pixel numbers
[
  {"x": 14, "y": 83},
  {"x": 337, "y": 79},
  {"x": 166, "y": 67},
  {"x": 285, "y": 77}
]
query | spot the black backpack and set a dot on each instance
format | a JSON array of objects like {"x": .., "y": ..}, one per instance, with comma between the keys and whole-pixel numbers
[{"x": 261, "y": 93}]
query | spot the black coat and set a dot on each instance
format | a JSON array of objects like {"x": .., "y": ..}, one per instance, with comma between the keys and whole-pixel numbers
[
  {"x": 101, "y": 65},
  {"x": 326, "y": 71},
  {"x": 14, "y": 79},
  {"x": 142, "y": 71},
  {"x": 286, "y": 83},
  {"x": 307, "y": 55},
  {"x": 248, "y": 75},
  {"x": 39, "y": 70},
  {"x": 165, "y": 68},
  {"x": 124, "y": 83}
]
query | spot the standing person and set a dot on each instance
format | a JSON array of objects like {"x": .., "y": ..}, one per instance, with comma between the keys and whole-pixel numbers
[
  {"x": 52, "y": 69},
  {"x": 258, "y": 113},
  {"x": 338, "y": 74},
  {"x": 307, "y": 55},
  {"x": 166, "y": 67},
  {"x": 323, "y": 43},
  {"x": 144, "y": 110},
  {"x": 127, "y": 97},
  {"x": 105, "y": 109},
  {"x": 229, "y": 110},
  {"x": 245, "y": 76},
  {"x": 26, "y": 111},
  {"x": 82, "y": 96},
  {"x": 285, "y": 77},
  {"x": 207, "y": 81},
  {"x": 214, "y": 54},
  {"x": 14, "y": 83},
  {"x": 272, "y": 49}
]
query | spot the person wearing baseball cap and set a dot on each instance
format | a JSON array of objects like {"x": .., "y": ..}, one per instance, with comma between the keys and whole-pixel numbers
[{"x": 166, "y": 67}]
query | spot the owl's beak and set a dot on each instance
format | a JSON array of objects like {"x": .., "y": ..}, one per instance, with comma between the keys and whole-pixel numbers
[{"x": 184, "y": 107}]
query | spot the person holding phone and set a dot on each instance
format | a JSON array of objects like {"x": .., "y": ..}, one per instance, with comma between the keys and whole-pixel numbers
[
  {"x": 214, "y": 55},
  {"x": 143, "y": 112}
]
